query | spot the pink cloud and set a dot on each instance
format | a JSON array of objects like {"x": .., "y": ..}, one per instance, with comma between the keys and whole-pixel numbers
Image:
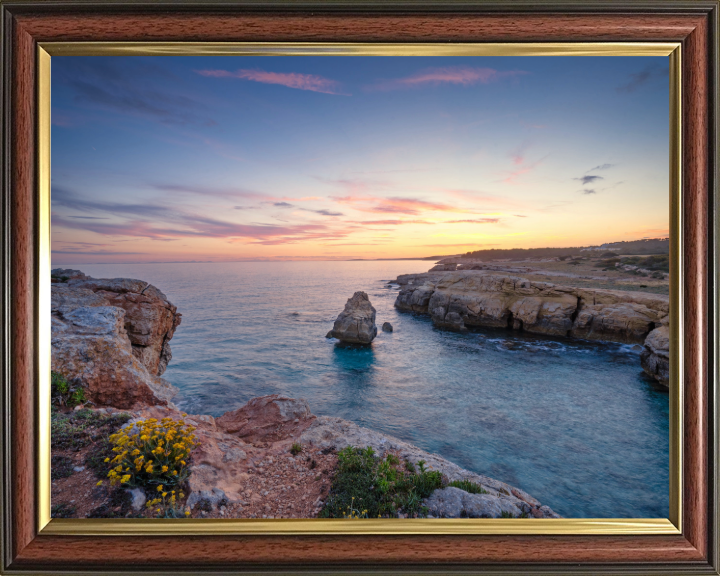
[
  {"x": 518, "y": 155},
  {"x": 515, "y": 174},
  {"x": 410, "y": 206},
  {"x": 291, "y": 80},
  {"x": 393, "y": 222},
  {"x": 459, "y": 75},
  {"x": 475, "y": 221}
]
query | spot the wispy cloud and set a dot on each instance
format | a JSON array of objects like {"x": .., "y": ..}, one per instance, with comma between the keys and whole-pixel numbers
[
  {"x": 310, "y": 82},
  {"x": 589, "y": 191},
  {"x": 457, "y": 75},
  {"x": 323, "y": 212},
  {"x": 163, "y": 222},
  {"x": 209, "y": 191},
  {"x": 97, "y": 253},
  {"x": 475, "y": 221},
  {"x": 396, "y": 205},
  {"x": 589, "y": 179},
  {"x": 515, "y": 174},
  {"x": 134, "y": 89},
  {"x": 518, "y": 155},
  {"x": 602, "y": 167},
  {"x": 393, "y": 222},
  {"x": 650, "y": 73}
]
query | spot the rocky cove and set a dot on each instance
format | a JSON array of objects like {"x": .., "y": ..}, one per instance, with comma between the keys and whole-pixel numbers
[
  {"x": 457, "y": 300},
  {"x": 111, "y": 337}
]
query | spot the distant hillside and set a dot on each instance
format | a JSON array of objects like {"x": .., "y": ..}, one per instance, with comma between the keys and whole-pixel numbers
[
  {"x": 649, "y": 246},
  {"x": 521, "y": 253},
  {"x": 635, "y": 247}
]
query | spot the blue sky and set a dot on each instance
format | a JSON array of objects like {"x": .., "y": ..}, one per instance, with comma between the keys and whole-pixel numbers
[{"x": 234, "y": 158}]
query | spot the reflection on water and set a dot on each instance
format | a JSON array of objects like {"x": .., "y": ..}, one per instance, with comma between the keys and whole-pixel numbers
[{"x": 573, "y": 423}]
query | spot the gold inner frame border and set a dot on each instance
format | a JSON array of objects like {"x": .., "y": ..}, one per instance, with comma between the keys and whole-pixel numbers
[{"x": 503, "y": 526}]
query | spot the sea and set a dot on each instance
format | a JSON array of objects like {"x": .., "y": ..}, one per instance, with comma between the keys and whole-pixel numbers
[{"x": 574, "y": 423}]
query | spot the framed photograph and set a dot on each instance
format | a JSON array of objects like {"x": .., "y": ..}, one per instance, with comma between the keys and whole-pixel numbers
[{"x": 359, "y": 288}]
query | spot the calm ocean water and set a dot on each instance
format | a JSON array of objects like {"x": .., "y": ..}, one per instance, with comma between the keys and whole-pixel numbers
[{"x": 575, "y": 424}]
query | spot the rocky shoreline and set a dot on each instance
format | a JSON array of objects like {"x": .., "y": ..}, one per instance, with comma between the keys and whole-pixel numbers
[
  {"x": 457, "y": 300},
  {"x": 111, "y": 337}
]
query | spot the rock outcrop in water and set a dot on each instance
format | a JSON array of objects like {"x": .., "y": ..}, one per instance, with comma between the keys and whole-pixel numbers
[
  {"x": 356, "y": 323},
  {"x": 655, "y": 358},
  {"x": 461, "y": 299},
  {"x": 112, "y": 335}
]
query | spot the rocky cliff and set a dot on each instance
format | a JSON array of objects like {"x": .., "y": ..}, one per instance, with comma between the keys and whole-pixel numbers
[
  {"x": 461, "y": 299},
  {"x": 113, "y": 335}
]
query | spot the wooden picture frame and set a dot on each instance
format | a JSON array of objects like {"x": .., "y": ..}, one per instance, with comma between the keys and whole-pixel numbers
[{"x": 29, "y": 547}]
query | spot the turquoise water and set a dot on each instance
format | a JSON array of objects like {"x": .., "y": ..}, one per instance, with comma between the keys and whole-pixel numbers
[{"x": 573, "y": 423}]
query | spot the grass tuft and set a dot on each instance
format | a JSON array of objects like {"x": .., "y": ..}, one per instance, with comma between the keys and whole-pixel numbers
[
  {"x": 468, "y": 486},
  {"x": 367, "y": 486}
]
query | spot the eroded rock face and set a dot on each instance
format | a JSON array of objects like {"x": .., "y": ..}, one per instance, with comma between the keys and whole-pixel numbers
[
  {"x": 356, "y": 324},
  {"x": 90, "y": 339},
  {"x": 267, "y": 418},
  {"x": 457, "y": 300},
  {"x": 655, "y": 358},
  {"x": 150, "y": 319},
  {"x": 89, "y": 343}
]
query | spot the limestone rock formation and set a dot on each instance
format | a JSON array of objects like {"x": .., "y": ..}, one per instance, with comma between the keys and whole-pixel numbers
[
  {"x": 655, "y": 358},
  {"x": 455, "y": 503},
  {"x": 90, "y": 339},
  {"x": 150, "y": 319},
  {"x": 271, "y": 418},
  {"x": 457, "y": 300},
  {"x": 387, "y": 327},
  {"x": 356, "y": 324}
]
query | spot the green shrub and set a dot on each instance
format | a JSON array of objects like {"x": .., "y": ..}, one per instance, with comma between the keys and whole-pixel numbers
[
  {"x": 659, "y": 262},
  {"x": 468, "y": 486},
  {"x": 79, "y": 429},
  {"x": 368, "y": 486},
  {"x": 63, "y": 510},
  {"x": 64, "y": 393},
  {"x": 296, "y": 448}
]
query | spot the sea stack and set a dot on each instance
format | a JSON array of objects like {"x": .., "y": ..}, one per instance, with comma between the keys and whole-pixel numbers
[{"x": 356, "y": 324}]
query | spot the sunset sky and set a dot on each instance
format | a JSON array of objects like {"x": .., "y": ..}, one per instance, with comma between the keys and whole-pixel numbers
[{"x": 174, "y": 159}]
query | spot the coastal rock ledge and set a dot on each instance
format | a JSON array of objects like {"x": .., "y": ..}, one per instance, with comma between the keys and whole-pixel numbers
[
  {"x": 356, "y": 324},
  {"x": 462, "y": 299},
  {"x": 113, "y": 336}
]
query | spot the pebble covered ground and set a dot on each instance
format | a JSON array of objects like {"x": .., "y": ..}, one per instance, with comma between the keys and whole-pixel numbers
[{"x": 281, "y": 485}]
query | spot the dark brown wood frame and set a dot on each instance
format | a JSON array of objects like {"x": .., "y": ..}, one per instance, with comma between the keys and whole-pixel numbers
[{"x": 693, "y": 23}]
